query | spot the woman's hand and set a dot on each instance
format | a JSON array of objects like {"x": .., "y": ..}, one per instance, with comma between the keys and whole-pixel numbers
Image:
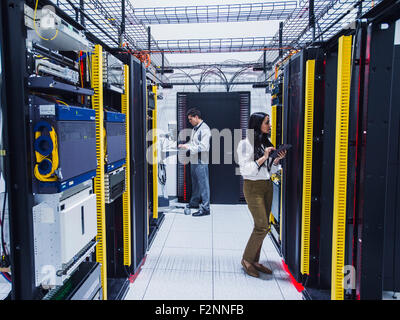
[
  {"x": 281, "y": 155},
  {"x": 264, "y": 158},
  {"x": 268, "y": 151}
]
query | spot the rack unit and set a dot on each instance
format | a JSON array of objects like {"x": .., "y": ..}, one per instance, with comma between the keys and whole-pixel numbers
[
  {"x": 276, "y": 140},
  {"x": 77, "y": 242},
  {"x": 155, "y": 218}
]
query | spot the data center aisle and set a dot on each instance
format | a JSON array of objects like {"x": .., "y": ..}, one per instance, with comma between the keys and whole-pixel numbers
[{"x": 198, "y": 258}]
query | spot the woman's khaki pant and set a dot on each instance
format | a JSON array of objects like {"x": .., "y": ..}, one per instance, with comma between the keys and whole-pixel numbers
[{"x": 258, "y": 195}]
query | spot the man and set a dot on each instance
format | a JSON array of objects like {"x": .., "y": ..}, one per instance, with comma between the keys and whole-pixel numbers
[{"x": 199, "y": 147}]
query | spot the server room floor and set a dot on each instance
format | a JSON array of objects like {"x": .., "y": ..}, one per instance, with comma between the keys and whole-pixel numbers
[{"x": 198, "y": 258}]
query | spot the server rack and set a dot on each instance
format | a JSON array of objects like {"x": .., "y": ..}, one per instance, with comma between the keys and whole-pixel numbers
[
  {"x": 5, "y": 259},
  {"x": 137, "y": 153},
  {"x": 374, "y": 238},
  {"x": 184, "y": 185},
  {"x": 358, "y": 217},
  {"x": 276, "y": 140},
  {"x": 296, "y": 131},
  {"x": 155, "y": 218},
  {"x": 21, "y": 197},
  {"x": 117, "y": 206}
]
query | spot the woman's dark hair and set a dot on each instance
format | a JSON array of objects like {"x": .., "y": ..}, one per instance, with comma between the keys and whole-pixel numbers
[
  {"x": 260, "y": 138},
  {"x": 193, "y": 112}
]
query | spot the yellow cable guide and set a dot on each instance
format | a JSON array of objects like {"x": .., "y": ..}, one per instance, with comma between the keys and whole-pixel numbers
[{"x": 340, "y": 175}]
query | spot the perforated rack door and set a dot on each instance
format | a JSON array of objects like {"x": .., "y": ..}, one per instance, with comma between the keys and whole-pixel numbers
[
  {"x": 182, "y": 168},
  {"x": 244, "y": 120}
]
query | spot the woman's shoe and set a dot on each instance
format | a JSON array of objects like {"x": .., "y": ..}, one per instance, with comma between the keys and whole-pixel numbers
[
  {"x": 262, "y": 268},
  {"x": 250, "y": 270}
]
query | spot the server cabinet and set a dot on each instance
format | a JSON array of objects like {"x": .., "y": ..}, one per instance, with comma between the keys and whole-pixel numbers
[
  {"x": 138, "y": 174},
  {"x": 20, "y": 196},
  {"x": 374, "y": 202},
  {"x": 293, "y": 226},
  {"x": 236, "y": 106}
]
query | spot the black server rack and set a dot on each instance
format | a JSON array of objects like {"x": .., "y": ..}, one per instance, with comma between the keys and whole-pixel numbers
[
  {"x": 373, "y": 208},
  {"x": 20, "y": 196},
  {"x": 292, "y": 181},
  {"x": 236, "y": 107},
  {"x": 137, "y": 114}
]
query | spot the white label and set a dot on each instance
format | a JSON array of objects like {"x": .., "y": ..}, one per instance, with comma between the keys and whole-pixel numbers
[
  {"x": 397, "y": 33},
  {"x": 47, "y": 110},
  {"x": 47, "y": 215}
]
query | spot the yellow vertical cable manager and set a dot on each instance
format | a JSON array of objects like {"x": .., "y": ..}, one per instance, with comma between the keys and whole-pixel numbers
[
  {"x": 273, "y": 124},
  {"x": 126, "y": 197},
  {"x": 273, "y": 141},
  {"x": 340, "y": 176},
  {"x": 307, "y": 167},
  {"x": 97, "y": 103},
  {"x": 155, "y": 162}
]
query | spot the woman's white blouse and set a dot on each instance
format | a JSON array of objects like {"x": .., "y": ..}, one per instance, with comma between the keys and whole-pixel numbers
[{"x": 249, "y": 169}]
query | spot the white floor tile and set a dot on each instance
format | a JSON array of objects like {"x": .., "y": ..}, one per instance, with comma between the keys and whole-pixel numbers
[
  {"x": 229, "y": 260},
  {"x": 159, "y": 240},
  {"x": 288, "y": 290},
  {"x": 189, "y": 223},
  {"x": 268, "y": 246},
  {"x": 161, "y": 235},
  {"x": 236, "y": 286},
  {"x": 275, "y": 264},
  {"x": 272, "y": 254},
  {"x": 138, "y": 288},
  {"x": 237, "y": 225},
  {"x": 199, "y": 258},
  {"x": 185, "y": 259},
  {"x": 242, "y": 212},
  {"x": 180, "y": 285},
  {"x": 152, "y": 257},
  {"x": 189, "y": 239},
  {"x": 231, "y": 240},
  {"x": 388, "y": 295}
]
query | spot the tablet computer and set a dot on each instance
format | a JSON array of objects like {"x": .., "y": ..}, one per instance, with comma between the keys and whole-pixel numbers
[{"x": 282, "y": 147}]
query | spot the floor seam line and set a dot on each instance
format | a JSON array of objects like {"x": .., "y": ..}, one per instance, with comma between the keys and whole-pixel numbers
[
  {"x": 158, "y": 258},
  {"x": 212, "y": 255}
]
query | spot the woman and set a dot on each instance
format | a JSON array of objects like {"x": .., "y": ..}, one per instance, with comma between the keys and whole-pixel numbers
[{"x": 256, "y": 168}]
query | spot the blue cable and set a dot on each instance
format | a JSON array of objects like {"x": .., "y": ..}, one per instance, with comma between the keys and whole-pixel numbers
[
  {"x": 83, "y": 56},
  {"x": 5, "y": 277}
]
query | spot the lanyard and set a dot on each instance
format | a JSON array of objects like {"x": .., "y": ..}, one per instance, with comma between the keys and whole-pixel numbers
[{"x": 194, "y": 131}]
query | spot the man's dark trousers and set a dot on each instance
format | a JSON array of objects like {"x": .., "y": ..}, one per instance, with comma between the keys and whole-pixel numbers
[{"x": 200, "y": 186}]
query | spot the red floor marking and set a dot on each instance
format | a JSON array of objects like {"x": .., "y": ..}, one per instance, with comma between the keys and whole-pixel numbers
[
  {"x": 133, "y": 277},
  {"x": 297, "y": 285}
]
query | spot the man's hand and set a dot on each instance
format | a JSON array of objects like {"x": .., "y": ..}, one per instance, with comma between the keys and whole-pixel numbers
[{"x": 183, "y": 146}]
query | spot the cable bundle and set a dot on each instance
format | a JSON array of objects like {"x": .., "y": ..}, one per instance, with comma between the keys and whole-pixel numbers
[{"x": 46, "y": 151}]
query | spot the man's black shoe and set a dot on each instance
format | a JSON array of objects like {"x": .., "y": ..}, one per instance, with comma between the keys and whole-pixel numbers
[
  {"x": 201, "y": 213},
  {"x": 192, "y": 207}
]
